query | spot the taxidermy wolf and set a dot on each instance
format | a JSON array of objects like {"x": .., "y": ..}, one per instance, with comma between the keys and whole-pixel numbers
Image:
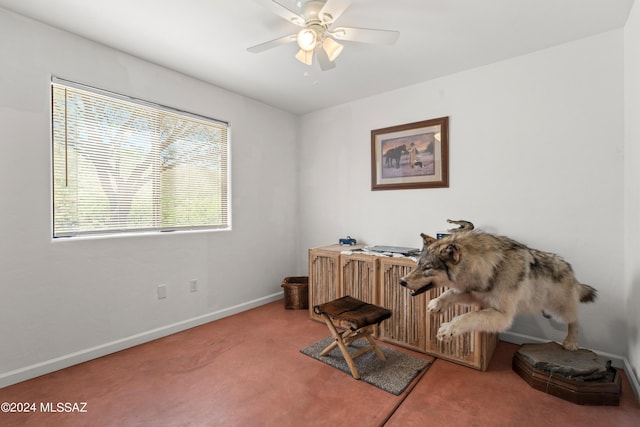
[{"x": 501, "y": 276}]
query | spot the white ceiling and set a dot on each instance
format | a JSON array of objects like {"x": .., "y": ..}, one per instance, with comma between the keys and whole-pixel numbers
[{"x": 207, "y": 39}]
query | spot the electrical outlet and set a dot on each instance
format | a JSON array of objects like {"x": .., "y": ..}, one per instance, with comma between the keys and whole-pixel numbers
[
  {"x": 162, "y": 291},
  {"x": 194, "y": 285}
]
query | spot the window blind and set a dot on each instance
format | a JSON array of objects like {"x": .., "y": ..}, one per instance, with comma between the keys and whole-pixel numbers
[{"x": 126, "y": 165}]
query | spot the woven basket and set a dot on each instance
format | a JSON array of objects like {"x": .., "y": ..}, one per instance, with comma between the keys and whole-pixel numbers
[{"x": 296, "y": 292}]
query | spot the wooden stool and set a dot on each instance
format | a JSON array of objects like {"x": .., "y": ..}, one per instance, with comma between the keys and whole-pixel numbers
[{"x": 360, "y": 317}]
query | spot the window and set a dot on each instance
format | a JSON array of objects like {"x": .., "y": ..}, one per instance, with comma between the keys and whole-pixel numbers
[{"x": 125, "y": 165}]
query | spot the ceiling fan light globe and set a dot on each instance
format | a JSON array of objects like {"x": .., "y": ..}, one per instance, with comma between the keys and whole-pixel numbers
[
  {"x": 332, "y": 47},
  {"x": 307, "y": 39},
  {"x": 305, "y": 56}
]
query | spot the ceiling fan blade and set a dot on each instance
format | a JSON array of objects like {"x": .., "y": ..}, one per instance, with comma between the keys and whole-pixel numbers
[
  {"x": 334, "y": 8},
  {"x": 282, "y": 11},
  {"x": 365, "y": 35},
  {"x": 272, "y": 43},
  {"x": 323, "y": 60}
]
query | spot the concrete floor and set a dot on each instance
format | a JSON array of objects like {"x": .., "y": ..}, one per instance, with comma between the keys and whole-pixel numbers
[{"x": 246, "y": 370}]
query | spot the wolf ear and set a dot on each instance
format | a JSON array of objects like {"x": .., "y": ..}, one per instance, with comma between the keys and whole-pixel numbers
[
  {"x": 452, "y": 252},
  {"x": 427, "y": 240}
]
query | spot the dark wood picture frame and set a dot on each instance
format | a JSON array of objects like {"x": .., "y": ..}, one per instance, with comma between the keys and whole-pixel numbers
[{"x": 409, "y": 156}]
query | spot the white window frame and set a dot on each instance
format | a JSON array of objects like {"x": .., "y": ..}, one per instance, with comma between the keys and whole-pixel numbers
[{"x": 214, "y": 163}]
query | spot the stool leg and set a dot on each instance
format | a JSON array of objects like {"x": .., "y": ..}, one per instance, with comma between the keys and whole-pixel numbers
[
  {"x": 343, "y": 348},
  {"x": 379, "y": 352},
  {"x": 345, "y": 336},
  {"x": 330, "y": 347}
]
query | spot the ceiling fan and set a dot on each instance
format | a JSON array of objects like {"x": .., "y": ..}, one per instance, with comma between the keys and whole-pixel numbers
[{"x": 315, "y": 17}]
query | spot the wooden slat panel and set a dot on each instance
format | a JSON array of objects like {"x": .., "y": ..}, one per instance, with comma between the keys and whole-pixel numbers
[
  {"x": 323, "y": 278},
  {"x": 358, "y": 277},
  {"x": 406, "y": 327},
  {"x": 469, "y": 348}
]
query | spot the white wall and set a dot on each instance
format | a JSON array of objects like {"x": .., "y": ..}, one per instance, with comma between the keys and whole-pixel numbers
[
  {"x": 65, "y": 301},
  {"x": 632, "y": 181},
  {"x": 536, "y": 153}
]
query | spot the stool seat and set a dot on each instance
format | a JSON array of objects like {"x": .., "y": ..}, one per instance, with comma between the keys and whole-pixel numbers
[
  {"x": 357, "y": 313},
  {"x": 361, "y": 317}
]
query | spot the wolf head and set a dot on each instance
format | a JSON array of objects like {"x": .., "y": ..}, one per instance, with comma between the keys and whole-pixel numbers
[{"x": 435, "y": 261}]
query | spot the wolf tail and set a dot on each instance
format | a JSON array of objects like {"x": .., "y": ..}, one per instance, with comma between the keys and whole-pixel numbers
[{"x": 587, "y": 293}]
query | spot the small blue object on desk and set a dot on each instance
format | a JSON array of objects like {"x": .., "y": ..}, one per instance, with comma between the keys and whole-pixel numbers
[{"x": 348, "y": 241}]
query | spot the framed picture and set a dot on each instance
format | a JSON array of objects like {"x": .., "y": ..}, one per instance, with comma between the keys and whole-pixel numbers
[{"x": 414, "y": 155}]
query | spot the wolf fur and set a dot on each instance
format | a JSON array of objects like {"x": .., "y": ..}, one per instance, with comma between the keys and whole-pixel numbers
[{"x": 501, "y": 276}]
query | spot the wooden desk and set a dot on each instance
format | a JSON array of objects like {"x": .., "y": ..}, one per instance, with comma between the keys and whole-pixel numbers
[{"x": 336, "y": 271}]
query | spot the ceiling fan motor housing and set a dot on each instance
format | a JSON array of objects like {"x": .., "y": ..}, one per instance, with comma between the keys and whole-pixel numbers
[{"x": 310, "y": 10}]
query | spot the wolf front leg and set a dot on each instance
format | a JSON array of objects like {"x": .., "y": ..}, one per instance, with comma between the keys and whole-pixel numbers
[
  {"x": 487, "y": 320},
  {"x": 450, "y": 298}
]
